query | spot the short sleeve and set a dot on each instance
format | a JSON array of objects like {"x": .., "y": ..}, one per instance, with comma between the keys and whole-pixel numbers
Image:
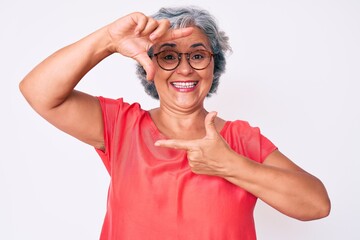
[
  {"x": 111, "y": 109},
  {"x": 248, "y": 141},
  {"x": 266, "y": 147}
]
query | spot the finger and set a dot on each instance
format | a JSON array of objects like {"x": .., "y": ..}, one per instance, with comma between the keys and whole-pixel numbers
[
  {"x": 210, "y": 125},
  {"x": 140, "y": 21},
  {"x": 176, "y": 144},
  {"x": 173, "y": 34},
  {"x": 147, "y": 64},
  {"x": 150, "y": 27},
  {"x": 162, "y": 28}
]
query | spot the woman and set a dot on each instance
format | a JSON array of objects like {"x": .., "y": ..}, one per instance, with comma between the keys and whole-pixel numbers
[{"x": 177, "y": 171}]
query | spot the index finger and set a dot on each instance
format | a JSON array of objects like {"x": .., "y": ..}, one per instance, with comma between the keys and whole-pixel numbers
[
  {"x": 176, "y": 144},
  {"x": 173, "y": 34},
  {"x": 147, "y": 64}
]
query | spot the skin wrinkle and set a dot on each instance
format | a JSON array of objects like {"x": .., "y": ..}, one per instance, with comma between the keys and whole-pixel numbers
[
  {"x": 186, "y": 17},
  {"x": 256, "y": 169}
]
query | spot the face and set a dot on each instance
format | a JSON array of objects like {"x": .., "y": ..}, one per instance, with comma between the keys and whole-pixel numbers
[{"x": 184, "y": 88}]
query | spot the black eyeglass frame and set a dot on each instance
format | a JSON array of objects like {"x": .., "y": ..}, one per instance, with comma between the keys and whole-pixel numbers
[{"x": 179, "y": 54}]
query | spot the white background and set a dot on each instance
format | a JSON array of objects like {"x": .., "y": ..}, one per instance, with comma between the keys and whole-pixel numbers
[{"x": 294, "y": 71}]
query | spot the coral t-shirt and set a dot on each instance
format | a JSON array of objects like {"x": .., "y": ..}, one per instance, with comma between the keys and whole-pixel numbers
[{"x": 154, "y": 195}]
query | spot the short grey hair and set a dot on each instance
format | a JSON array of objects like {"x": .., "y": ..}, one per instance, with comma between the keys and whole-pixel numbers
[{"x": 181, "y": 17}]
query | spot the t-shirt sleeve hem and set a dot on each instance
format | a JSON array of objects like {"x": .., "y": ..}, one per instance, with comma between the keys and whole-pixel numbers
[{"x": 104, "y": 154}]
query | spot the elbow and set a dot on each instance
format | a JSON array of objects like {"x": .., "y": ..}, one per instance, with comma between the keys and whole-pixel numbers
[
  {"x": 21, "y": 87},
  {"x": 315, "y": 205},
  {"x": 323, "y": 210},
  {"x": 318, "y": 204},
  {"x": 24, "y": 89},
  {"x": 31, "y": 94},
  {"x": 319, "y": 210}
]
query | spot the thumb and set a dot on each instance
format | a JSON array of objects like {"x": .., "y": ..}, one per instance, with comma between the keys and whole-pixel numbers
[
  {"x": 210, "y": 124},
  {"x": 147, "y": 64}
]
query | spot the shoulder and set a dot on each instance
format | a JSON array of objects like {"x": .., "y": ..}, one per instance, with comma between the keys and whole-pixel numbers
[
  {"x": 109, "y": 105},
  {"x": 240, "y": 133},
  {"x": 240, "y": 127},
  {"x": 105, "y": 101},
  {"x": 117, "y": 112},
  {"x": 247, "y": 140}
]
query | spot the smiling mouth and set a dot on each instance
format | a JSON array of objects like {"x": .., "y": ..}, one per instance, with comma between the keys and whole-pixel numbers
[{"x": 182, "y": 85}]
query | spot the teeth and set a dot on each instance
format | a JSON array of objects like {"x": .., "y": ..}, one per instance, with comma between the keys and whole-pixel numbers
[{"x": 184, "y": 84}]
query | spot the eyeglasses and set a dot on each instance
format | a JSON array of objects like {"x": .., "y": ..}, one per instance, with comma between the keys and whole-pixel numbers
[{"x": 169, "y": 59}]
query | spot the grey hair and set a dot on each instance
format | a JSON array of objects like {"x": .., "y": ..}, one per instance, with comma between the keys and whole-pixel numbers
[{"x": 181, "y": 17}]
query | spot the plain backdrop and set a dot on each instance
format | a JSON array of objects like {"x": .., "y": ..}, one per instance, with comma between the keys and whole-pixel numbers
[{"x": 294, "y": 72}]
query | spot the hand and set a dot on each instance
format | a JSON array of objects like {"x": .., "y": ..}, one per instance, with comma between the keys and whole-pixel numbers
[
  {"x": 209, "y": 155},
  {"x": 134, "y": 34}
]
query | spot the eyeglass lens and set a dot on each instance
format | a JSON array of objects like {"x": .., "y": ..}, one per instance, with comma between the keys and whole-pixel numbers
[{"x": 170, "y": 59}]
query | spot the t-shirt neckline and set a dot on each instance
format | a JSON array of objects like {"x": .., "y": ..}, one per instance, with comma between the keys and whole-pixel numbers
[{"x": 159, "y": 135}]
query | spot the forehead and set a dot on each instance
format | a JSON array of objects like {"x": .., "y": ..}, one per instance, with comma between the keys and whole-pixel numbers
[{"x": 197, "y": 39}]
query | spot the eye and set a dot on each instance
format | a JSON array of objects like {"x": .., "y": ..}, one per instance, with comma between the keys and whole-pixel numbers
[
  {"x": 168, "y": 56},
  {"x": 198, "y": 55}
]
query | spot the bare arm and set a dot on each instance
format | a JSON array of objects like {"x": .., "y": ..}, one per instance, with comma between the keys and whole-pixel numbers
[
  {"x": 278, "y": 181},
  {"x": 49, "y": 87},
  {"x": 281, "y": 184}
]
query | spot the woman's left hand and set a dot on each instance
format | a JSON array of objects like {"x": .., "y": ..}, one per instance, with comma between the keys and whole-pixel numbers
[
  {"x": 208, "y": 155},
  {"x": 278, "y": 181}
]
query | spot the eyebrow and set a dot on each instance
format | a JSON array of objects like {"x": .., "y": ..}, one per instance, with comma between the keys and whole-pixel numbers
[
  {"x": 174, "y": 45},
  {"x": 198, "y": 45},
  {"x": 167, "y": 45}
]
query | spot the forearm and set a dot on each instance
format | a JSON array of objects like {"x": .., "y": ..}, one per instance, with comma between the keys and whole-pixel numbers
[
  {"x": 52, "y": 81},
  {"x": 292, "y": 192}
]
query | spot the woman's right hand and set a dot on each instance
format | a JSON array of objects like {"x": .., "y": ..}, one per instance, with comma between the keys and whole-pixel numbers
[
  {"x": 49, "y": 87},
  {"x": 134, "y": 34}
]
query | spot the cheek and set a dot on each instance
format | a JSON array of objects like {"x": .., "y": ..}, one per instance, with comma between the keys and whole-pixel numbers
[
  {"x": 209, "y": 76},
  {"x": 210, "y": 73},
  {"x": 160, "y": 78},
  {"x": 159, "y": 74}
]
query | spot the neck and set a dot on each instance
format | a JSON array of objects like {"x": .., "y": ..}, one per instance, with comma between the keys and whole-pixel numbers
[{"x": 180, "y": 124}]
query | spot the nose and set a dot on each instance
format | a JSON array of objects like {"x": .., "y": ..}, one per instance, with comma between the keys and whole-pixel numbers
[{"x": 184, "y": 66}]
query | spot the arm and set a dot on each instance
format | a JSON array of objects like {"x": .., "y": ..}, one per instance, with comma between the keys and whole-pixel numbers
[
  {"x": 281, "y": 184},
  {"x": 278, "y": 181},
  {"x": 49, "y": 87}
]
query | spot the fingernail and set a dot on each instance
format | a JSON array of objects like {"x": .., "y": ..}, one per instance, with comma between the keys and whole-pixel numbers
[{"x": 152, "y": 37}]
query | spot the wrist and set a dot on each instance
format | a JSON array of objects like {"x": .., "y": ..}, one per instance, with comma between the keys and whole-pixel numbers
[
  {"x": 96, "y": 46},
  {"x": 235, "y": 167},
  {"x": 232, "y": 161}
]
